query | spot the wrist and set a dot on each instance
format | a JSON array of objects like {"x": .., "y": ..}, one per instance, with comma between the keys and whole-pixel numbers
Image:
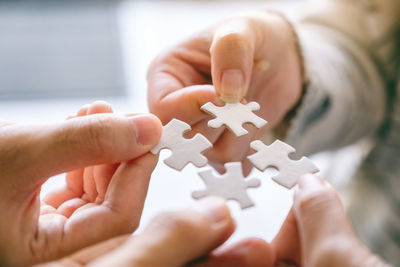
[{"x": 296, "y": 55}]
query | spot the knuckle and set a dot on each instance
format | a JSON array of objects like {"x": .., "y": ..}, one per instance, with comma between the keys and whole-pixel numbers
[
  {"x": 129, "y": 224},
  {"x": 99, "y": 130},
  {"x": 333, "y": 251},
  {"x": 161, "y": 111},
  {"x": 98, "y": 135},
  {"x": 124, "y": 221},
  {"x": 317, "y": 200}
]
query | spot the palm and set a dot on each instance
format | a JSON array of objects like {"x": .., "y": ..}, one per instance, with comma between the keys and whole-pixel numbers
[
  {"x": 78, "y": 212},
  {"x": 91, "y": 206}
]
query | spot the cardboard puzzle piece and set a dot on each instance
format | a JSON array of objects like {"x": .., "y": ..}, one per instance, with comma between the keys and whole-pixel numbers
[
  {"x": 183, "y": 150},
  {"x": 277, "y": 155},
  {"x": 231, "y": 185},
  {"x": 234, "y": 115}
]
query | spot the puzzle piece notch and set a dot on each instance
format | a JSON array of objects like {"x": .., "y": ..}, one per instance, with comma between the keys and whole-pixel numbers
[
  {"x": 277, "y": 155},
  {"x": 231, "y": 185},
  {"x": 183, "y": 150},
  {"x": 234, "y": 115}
]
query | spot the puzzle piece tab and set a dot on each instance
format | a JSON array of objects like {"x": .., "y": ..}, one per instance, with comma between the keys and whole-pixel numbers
[
  {"x": 277, "y": 155},
  {"x": 183, "y": 150},
  {"x": 234, "y": 115},
  {"x": 232, "y": 185}
]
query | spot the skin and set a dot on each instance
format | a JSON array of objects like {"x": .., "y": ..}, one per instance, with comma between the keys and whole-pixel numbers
[
  {"x": 108, "y": 169},
  {"x": 260, "y": 49},
  {"x": 316, "y": 232},
  {"x": 246, "y": 57}
]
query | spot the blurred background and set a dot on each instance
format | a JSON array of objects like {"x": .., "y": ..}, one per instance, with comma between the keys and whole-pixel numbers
[{"x": 56, "y": 56}]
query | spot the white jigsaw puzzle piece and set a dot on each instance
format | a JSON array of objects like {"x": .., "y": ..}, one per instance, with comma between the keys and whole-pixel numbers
[
  {"x": 183, "y": 150},
  {"x": 234, "y": 115},
  {"x": 231, "y": 185},
  {"x": 277, "y": 155}
]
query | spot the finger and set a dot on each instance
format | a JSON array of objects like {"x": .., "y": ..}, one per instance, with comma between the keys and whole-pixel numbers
[
  {"x": 203, "y": 129},
  {"x": 93, "y": 179},
  {"x": 73, "y": 188},
  {"x": 99, "y": 106},
  {"x": 230, "y": 148},
  {"x": 320, "y": 215},
  {"x": 46, "y": 209},
  {"x": 119, "y": 213},
  {"x": 86, "y": 255},
  {"x": 185, "y": 104},
  {"x": 184, "y": 65},
  {"x": 91, "y": 253},
  {"x": 89, "y": 185},
  {"x": 83, "y": 110},
  {"x": 68, "y": 207},
  {"x": 127, "y": 190},
  {"x": 287, "y": 241},
  {"x": 252, "y": 252},
  {"x": 232, "y": 56},
  {"x": 48, "y": 150},
  {"x": 102, "y": 176},
  {"x": 169, "y": 238}
]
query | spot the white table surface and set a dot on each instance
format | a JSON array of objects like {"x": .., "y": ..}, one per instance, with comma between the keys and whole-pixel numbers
[{"x": 146, "y": 29}]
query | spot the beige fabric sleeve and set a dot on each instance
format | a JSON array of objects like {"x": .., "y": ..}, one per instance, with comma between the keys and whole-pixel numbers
[{"x": 347, "y": 69}]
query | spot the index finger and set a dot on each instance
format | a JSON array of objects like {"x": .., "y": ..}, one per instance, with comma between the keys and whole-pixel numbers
[{"x": 179, "y": 81}]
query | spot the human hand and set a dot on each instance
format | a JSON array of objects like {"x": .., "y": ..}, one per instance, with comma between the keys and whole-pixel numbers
[
  {"x": 171, "y": 239},
  {"x": 252, "y": 56},
  {"x": 108, "y": 169},
  {"x": 316, "y": 232}
]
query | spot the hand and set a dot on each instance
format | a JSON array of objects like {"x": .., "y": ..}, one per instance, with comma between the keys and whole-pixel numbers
[
  {"x": 108, "y": 169},
  {"x": 171, "y": 239},
  {"x": 251, "y": 56},
  {"x": 315, "y": 233}
]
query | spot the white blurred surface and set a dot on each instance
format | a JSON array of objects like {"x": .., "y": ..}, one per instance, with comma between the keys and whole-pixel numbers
[{"x": 146, "y": 29}]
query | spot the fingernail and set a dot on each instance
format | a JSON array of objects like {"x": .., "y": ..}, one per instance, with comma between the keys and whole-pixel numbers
[
  {"x": 232, "y": 85},
  {"x": 214, "y": 208},
  {"x": 309, "y": 181},
  {"x": 147, "y": 129}
]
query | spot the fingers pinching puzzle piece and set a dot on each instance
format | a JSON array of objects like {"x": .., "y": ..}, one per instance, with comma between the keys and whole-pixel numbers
[
  {"x": 183, "y": 150},
  {"x": 277, "y": 155},
  {"x": 234, "y": 115},
  {"x": 231, "y": 185}
]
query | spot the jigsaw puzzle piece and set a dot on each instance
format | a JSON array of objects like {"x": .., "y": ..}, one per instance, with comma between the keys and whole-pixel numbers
[
  {"x": 190, "y": 151},
  {"x": 231, "y": 185},
  {"x": 277, "y": 155},
  {"x": 170, "y": 133},
  {"x": 233, "y": 116},
  {"x": 183, "y": 150},
  {"x": 290, "y": 174}
]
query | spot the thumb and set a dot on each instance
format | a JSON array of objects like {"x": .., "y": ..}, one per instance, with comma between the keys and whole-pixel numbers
[
  {"x": 46, "y": 150},
  {"x": 322, "y": 222},
  {"x": 232, "y": 53},
  {"x": 176, "y": 238}
]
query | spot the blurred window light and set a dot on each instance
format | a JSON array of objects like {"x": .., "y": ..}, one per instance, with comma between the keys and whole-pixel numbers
[{"x": 51, "y": 48}]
